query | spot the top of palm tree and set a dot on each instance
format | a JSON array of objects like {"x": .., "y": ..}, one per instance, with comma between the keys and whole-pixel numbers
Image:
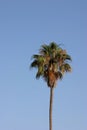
[{"x": 51, "y": 62}]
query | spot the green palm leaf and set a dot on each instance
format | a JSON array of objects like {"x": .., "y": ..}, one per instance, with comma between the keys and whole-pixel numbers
[{"x": 51, "y": 58}]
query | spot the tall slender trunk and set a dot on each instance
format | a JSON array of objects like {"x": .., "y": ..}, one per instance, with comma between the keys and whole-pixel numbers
[{"x": 50, "y": 108}]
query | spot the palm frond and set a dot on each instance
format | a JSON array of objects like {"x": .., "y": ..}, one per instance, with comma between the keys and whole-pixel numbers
[
  {"x": 68, "y": 57},
  {"x": 40, "y": 72},
  {"x": 35, "y": 56},
  {"x": 58, "y": 75},
  {"x": 38, "y": 75},
  {"x": 53, "y": 45},
  {"x": 51, "y": 63},
  {"x": 65, "y": 68},
  {"x": 38, "y": 57},
  {"x": 34, "y": 64},
  {"x": 44, "y": 50}
]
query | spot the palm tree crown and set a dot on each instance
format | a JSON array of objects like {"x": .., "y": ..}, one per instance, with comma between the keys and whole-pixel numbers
[{"x": 51, "y": 62}]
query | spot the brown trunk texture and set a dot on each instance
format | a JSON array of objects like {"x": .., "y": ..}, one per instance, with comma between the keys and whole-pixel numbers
[{"x": 50, "y": 108}]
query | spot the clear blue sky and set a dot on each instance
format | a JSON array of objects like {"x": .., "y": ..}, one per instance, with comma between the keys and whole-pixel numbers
[{"x": 24, "y": 101}]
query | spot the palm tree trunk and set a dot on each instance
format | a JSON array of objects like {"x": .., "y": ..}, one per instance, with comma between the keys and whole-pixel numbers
[{"x": 50, "y": 108}]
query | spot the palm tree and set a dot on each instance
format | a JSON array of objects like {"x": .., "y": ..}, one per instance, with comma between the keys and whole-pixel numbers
[{"x": 52, "y": 63}]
